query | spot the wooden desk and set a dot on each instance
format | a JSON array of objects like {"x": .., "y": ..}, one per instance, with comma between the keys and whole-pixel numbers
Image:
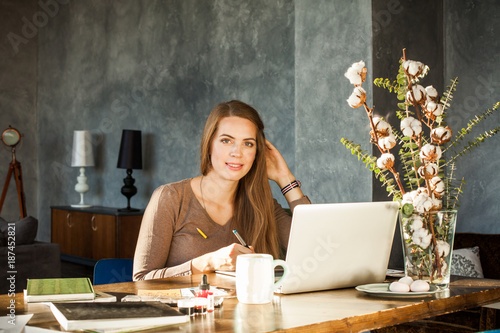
[{"x": 345, "y": 310}]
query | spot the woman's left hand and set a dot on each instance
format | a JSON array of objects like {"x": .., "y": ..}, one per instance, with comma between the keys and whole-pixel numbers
[{"x": 277, "y": 169}]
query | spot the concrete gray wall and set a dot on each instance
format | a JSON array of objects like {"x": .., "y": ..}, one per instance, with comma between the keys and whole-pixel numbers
[
  {"x": 329, "y": 37},
  {"x": 18, "y": 93},
  {"x": 160, "y": 66}
]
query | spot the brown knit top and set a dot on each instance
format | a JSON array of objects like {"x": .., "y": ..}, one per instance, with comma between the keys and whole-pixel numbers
[{"x": 168, "y": 239}]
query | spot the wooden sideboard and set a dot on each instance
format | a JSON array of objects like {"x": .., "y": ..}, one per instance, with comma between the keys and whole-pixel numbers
[{"x": 90, "y": 234}]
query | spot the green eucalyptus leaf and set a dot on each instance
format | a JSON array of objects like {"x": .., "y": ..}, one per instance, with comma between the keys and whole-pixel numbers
[{"x": 407, "y": 209}]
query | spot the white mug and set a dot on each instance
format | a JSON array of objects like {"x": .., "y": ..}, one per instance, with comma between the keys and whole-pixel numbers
[{"x": 255, "y": 277}]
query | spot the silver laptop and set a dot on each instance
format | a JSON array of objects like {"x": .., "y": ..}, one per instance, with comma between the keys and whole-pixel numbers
[{"x": 339, "y": 245}]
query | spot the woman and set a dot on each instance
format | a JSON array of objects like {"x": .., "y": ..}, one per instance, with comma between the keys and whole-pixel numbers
[{"x": 187, "y": 226}]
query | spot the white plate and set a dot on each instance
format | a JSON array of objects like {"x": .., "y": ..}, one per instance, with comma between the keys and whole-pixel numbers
[{"x": 382, "y": 289}]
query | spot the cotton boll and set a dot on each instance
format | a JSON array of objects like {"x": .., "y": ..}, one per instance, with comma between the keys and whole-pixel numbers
[
  {"x": 430, "y": 106},
  {"x": 399, "y": 287},
  {"x": 438, "y": 111},
  {"x": 428, "y": 170},
  {"x": 441, "y": 135},
  {"x": 420, "y": 190},
  {"x": 413, "y": 68},
  {"x": 443, "y": 248},
  {"x": 356, "y": 73},
  {"x": 430, "y": 153},
  {"x": 357, "y": 98},
  {"x": 432, "y": 93},
  {"x": 385, "y": 161},
  {"x": 422, "y": 238},
  {"x": 411, "y": 127},
  {"x": 406, "y": 280},
  {"x": 433, "y": 109},
  {"x": 437, "y": 204},
  {"x": 416, "y": 95},
  {"x": 437, "y": 186},
  {"x": 417, "y": 223},
  {"x": 444, "y": 265},
  {"x": 419, "y": 286},
  {"x": 422, "y": 202},
  {"x": 408, "y": 197},
  {"x": 382, "y": 127},
  {"x": 387, "y": 142}
]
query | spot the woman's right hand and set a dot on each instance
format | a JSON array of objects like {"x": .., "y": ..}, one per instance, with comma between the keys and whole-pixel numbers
[{"x": 223, "y": 259}]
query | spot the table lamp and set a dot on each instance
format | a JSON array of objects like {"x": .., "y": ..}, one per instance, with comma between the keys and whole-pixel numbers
[
  {"x": 82, "y": 156},
  {"x": 130, "y": 157}
]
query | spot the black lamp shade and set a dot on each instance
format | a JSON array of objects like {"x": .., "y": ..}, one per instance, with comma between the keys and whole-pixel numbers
[{"x": 130, "y": 156}]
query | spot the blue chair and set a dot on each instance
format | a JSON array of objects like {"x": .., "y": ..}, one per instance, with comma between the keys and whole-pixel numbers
[{"x": 113, "y": 271}]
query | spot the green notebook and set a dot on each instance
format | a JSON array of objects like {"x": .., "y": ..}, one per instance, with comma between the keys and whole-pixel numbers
[{"x": 59, "y": 289}]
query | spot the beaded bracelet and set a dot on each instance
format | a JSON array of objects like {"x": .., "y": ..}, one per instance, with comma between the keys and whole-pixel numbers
[{"x": 290, "y": 186}]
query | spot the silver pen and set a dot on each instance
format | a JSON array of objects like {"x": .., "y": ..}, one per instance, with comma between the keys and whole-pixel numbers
[{"x": 235, "y": 232}]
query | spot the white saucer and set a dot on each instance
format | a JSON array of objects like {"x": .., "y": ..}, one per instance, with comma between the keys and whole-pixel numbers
[{"x": 382, "y": 289}]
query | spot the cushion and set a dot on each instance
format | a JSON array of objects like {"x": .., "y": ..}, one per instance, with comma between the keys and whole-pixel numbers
[
  {"x": 466, "y": 262},
  {"x": 489, "y": 246},
  {"x": 25, "y": 231}
]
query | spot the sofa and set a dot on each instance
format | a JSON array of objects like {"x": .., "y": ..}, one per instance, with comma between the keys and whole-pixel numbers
[{"x": 23, "y": 257}]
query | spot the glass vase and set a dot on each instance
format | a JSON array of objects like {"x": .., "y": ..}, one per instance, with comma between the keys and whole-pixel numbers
[{"x": 428, "y": 244}]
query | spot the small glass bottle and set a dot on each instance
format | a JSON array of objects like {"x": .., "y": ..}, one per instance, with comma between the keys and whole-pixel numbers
[
  {"x": 210, "y": 302},
  {"x": 204, "y": 297},
  {"x": 200, "y": 305},
  {"x": 203, "y": 288},
  {"x": 186, "y": 306}
]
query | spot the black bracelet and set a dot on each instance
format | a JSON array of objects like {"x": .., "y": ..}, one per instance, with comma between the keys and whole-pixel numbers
[{"x": 290, "y": 186}]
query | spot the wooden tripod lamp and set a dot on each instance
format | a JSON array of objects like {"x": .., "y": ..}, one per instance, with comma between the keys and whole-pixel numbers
[{"x": 11, "y": 137}]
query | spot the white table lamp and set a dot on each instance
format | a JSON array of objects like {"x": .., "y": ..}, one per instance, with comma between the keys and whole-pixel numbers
[{"x": 82, "y": 157}]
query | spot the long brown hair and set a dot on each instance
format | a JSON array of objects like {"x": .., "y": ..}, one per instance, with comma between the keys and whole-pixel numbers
[{"x": 253, "y": 211}]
